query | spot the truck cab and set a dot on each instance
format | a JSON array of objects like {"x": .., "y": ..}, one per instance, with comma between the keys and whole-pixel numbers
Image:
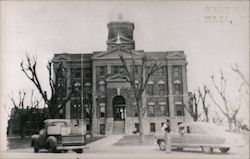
[{"x": 57, "y": 135}]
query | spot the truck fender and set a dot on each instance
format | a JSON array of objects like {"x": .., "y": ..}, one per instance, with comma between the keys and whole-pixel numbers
[
  {"x": 34, "y": 140},
  {"x": 51, "y": 140}
]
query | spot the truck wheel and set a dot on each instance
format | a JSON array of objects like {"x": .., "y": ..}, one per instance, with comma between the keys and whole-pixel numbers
[
  {"x": 36, "y": 148},
  {"x": 79, "y": 151},
  {"x": 206, "y": 149},
  {"x": 162, "y": 145},
  {"x": 52, "y": 148},
  {"x": 224, "y": 149}
]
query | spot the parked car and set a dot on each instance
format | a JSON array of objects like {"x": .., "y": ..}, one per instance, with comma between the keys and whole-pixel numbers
[
  {"x": 206, "y": 136},
  {"x": 57, "y": 136}
]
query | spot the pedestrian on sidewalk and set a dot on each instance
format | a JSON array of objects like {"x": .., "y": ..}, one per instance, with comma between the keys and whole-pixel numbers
[{"x": 167, "y": 130}]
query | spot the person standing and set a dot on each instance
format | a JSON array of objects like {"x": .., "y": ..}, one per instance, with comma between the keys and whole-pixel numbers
[{"x": 166, "y": 128}]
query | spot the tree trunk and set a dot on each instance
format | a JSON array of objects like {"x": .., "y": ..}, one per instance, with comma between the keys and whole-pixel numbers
[
  {"x": 22, "y": 131},
  {"x": 230, "y": 122},
  {"x": 141, "y": 131},
  {"x": 91, "y": 128}
]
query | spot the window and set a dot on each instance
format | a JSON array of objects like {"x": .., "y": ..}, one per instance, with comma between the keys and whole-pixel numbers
[
  {"x": 102, "y": 110},
  {"x": 102, "y": 129},
  {"x": 150, "y": 89},
  {"x": 102, "y": 70},
  {"x": 162, "y": 109},
  {"x": 161, "y": 89},
  {"x": 117, "y": 69},
  {"x": 152, "y": 127},
  {"x": 151, "y": 111},
  {"x": 136, "y": 128},
  {"x": 177, "y": 71},
  {"x": 135, "y": 69},
  {"x": 177, "y": 89},
  {"x": 88, "y": 128},
  {"x": 88, "y": 73},
  {"x": 161, "y": 71},
  {"x": 77, "y": 73},
  {"x": 179, "y": 110}
]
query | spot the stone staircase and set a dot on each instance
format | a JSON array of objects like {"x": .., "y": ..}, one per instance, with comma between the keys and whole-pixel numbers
[{"x": 118, "y": 127}]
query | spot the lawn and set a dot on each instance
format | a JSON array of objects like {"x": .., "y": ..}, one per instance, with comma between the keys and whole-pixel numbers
[
  {"x": 18, "y": 143},
  {"x": 134, "y": 140}
]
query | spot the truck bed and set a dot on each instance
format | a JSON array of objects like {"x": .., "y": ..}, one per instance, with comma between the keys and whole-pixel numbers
[{"x": 73, "y": 140}]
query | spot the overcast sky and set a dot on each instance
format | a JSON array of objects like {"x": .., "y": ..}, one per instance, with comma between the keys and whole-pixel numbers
[{"x": 42, "y": 28}]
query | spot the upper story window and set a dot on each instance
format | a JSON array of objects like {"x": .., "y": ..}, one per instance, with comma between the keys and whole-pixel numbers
[
  {"x": 102, "y": 110},
  {"x": 102, "y": 70},
  {"x": 88, "y": 72},
  {"x": 136, "y": 69},
  {"x": 161, "y": 85},
  {"x": 161, "y": 71},
  {"x": 177, "y": 89},
  {"x": 150, "y": 88},
  {"x": 151, "y": 111},
  {"x": 177, "y": 71},
  {"x": 101, "y": 86},
  {"x": 117, "y": 69}
]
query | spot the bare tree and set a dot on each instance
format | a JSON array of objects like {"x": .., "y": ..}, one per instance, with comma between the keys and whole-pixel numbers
[
  {"x": 236, "y": 69},
  {"x": 192, "y": 106},
  {"x": 58, "y": 99},
  {"x": 226, "y": 108},
  {"x": 202, "y": 96},
  {"x": 23, "y": 111},
  {"x": 138, "y": 83}
]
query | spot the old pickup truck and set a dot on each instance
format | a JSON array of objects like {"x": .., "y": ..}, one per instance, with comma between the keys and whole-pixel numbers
[{"x": 57, "y": 136}]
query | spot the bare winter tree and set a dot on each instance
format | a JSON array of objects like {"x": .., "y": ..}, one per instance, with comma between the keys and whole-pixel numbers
[
  {"x": 23, "y": 111},
  {"x": 236, "y": 69},
  {"x": 202, "y": 95},
  {"x": 192, "y": 106},
  {"x": 138, "y": 83},
  {"x": 226, "y": 108},
  {"x": 57, "y": 100}
]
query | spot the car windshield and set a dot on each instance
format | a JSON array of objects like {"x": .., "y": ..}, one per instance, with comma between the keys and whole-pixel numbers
[{"x": 58, "y": 124}]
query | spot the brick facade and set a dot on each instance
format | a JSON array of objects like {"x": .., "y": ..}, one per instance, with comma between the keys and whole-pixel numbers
[{"x": 113, "y": 106}]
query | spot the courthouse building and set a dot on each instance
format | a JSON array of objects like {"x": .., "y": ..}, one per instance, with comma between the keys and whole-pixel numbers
[{"x": 114, "y": 109}]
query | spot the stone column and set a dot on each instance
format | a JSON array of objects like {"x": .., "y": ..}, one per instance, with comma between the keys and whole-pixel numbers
[
  {"x": 185, "y": 90},
  {"x": 170, "y": 91},
  {"x": 68, "y": 83},
  {"x": 94, "y": 116}
]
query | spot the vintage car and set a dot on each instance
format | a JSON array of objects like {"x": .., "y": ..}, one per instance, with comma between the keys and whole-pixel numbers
[
  {"x": 57, "y": 136},
  {"x": 202, "y": 135}
]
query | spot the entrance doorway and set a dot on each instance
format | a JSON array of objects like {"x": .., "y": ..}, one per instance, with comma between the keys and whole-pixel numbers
[
  {"x": 119, "y": 114},
  {"x": 119, "y": 109}
]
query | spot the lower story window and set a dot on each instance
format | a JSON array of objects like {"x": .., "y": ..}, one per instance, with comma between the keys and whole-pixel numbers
[
  {"x": 152, "y": 127},
  {"x": 136, "y": 130},
  {"x": 179, "y": 110},
  {"x": 102, "y": 129}
]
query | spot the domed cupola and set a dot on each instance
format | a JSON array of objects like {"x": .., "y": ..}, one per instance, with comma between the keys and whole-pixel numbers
[{"x": 122, "y": 29}]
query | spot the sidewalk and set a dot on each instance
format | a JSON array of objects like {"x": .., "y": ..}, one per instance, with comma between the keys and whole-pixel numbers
[{"x": 104, "y": 144}]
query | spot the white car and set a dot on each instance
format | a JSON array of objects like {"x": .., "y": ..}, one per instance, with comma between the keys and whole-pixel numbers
[{"x": 203, "y": 135}]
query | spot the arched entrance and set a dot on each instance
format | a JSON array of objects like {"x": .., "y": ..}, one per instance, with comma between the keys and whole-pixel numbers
[
  {"x": 119, "y": 114},
  {"x": 119, "y": 109}
]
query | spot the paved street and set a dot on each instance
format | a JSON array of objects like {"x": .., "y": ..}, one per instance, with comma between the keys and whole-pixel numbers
[{"x": 104, "y": 148}]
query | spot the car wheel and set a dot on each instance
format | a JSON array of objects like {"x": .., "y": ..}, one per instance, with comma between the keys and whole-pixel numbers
[
  {"x": 224, "y": 149},
  {"x": 79, "y": 151},
  {"x": 36, "y": 148},
  {"x": 206, "y": 149},
  {"x": 162, "y": 145}
]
